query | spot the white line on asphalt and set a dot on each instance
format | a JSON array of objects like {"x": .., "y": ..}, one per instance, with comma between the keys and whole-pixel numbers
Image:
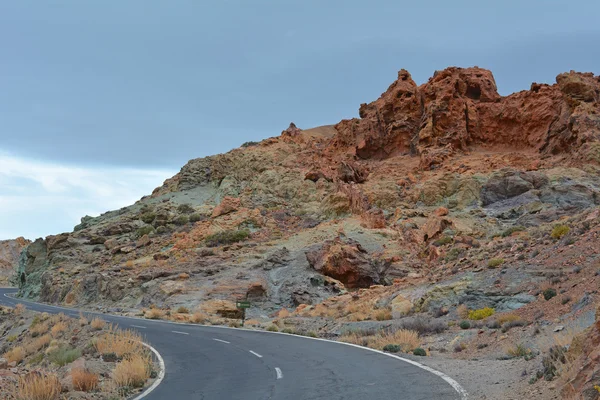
[
  {"x": 256, "y": 354},
  {"x": 181, "y": 333},
  {"x": 159, "y": 378},
  {"x": 279, "y": 373},
  {"x": 139, "y": 326},
  {"x": 222, "y": 341}
]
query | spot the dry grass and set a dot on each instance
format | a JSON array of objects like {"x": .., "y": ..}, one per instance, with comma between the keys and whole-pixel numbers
[
  {"x": 408, "y": 340},
  {"x": 16, "y": 354},
  {"x": 154, "y": 313},
  {"x": 19, "y": 309},
  {"x": 38, "y": 344},
  {"x": 122, "y": 343},
  {"x": 58, "y": 328},
  {"x": 503, "y": 318},
  {"x": 39, "y": 329},
  {"x": 98, "y": 324},
  {"x": 83, "y": 380},
  {"x": 462, "y": 311},
  {"x": 37, "y": 387},
  {"x": 83, "y": 321},
  {"x": 199, "y": 317},
  {"x": 133, "y": 371},
  {"x": 383, "y": 315}
]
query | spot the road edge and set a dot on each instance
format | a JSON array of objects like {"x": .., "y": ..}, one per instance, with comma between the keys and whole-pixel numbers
[
  {"x": 449, "y": 380},
  {"x": 159, "y": 378}
]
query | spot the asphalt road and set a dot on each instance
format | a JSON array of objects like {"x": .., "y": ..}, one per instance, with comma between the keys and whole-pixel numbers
[{"x": 213, "y": 363}]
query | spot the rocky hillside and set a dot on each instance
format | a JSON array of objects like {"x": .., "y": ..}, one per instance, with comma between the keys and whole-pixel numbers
[
  {"x": 10, "y": 251},
  {"x": 440, "y": 198}
]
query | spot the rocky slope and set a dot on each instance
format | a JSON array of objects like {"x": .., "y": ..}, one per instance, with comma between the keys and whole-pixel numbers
[
  {"x": 439, "y": 198},
  {"x": 10, "y": 251}
]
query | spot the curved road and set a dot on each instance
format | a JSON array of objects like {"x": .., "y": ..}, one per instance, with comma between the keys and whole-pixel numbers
[{"x": 214, "y": 363}]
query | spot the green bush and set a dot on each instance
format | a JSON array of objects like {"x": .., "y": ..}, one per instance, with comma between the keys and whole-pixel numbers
[
  {"x": 512, "y": 230},
  {"x": 195, "y": 217},
  {"x": 549, "y": 293},
  {"x": 482, "y": 313},
  {"x": 464, "y": 324},
  {"x": 559, "y": 231},
  {"x": 148, "y": 217},
  {"x": 11, "y": 338},
  {"x": 181, "y": 220},
  {"x": 495, "y": 262},
  {"x": 453, "y": 254},
  {"x": 226, "y": 237},
  {"x": 419, "y": 352},
  {"x": 64, "y": 355},
  {"x": 145, "y": 230},
  {"x": 273, "y": 328},
  {"x": 248, "y": 144},
  {"x": 442, "y": 241},
  {"x": 392, "y": 348},
  {"x": 287, "y": 330}
]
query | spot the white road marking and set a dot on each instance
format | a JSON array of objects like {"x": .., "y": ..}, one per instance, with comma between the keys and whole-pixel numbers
[
  {"x": 222, "y": 341},
  {"x": 181, "y": 333},
  {"x": 255, "y": 353},
  {"x": 139, "y": 326},
  {"x": 279, "y": 373}
]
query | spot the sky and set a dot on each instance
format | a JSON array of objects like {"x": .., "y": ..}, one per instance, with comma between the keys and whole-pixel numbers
[{"x": 100, "y": 101}]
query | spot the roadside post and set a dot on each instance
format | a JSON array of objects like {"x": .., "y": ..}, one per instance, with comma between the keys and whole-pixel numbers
[{"x": 242, "y": 305}]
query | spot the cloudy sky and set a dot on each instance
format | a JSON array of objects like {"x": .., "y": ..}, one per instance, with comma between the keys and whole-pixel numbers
[{"x": 100, "y": 101}]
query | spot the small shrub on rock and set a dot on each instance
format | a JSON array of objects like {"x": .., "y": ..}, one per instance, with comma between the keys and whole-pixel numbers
[
  {"x": 64, "y": 355},
  {"x": 512, "y": 230},
  {"x": 183, "y": 310},
  {"x": 185, "y": 209},
  {"x": 181, "y": 220},
  {"x": 419, "y": 352},
  {"x": 464, "y": 324},
  {"x": 145, "y": 230},
  {"x": 273, "y": 328},
  {"x": 226, "y": 237},
  {"x": 148, "y": 217},
  {"x": 482, "y": 313},
  {"x": 195, "y": 217},
  {"x": 549, "y": 293},
  {"x": 443, "y": 241},
  {"x": 392, "y": 348},
  {"x": 495, "y": 262},
  {"x": 559, "y": 231}
]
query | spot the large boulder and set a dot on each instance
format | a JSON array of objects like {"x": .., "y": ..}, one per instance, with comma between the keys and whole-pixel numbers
[{"x": 345, "y": 260}]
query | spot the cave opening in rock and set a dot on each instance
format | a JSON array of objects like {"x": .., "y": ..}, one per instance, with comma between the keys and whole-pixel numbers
[{"x": 473, "y": 92}]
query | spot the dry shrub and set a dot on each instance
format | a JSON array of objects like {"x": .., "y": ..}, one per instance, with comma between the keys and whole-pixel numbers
[
  {"x": 121, "y": 343},
  {"x": 383, "y": 315},
  {"x": 97, "y": 324},
  {"x": 58, "y": 328},
  {"x": 70, "y": 298},
  {"x": 16, "y": 354},
  {"x": 133, "y": 371},
  {"x": 408, "y": 340},
  {"x": 19, "y": 309},
  {"x": 462, "y": 311},
  {"x": 83, "y": 380},
  {"x": 38, "y": 344},
  {"x": 35, "y": 386},
  {"x": 39, "y": 329},
  {"x": 503, "y": 318},
  {"x": 83, "y": 321},
  {"x": 154, "y": 313},
  {"x": 199, "y": 317},
  {"x": 283, "y": 313}
]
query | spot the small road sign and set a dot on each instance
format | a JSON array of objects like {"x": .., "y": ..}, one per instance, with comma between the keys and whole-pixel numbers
[{"x": 242, "y": 304}]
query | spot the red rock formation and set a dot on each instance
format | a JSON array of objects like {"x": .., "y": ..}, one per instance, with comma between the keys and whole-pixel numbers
[
  {"x": 460, "y": 107},
  {"x": 345, "y": 261},
  {"x": 227, "y": 205}
]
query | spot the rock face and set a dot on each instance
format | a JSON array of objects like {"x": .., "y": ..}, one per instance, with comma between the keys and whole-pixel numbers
[
  {"x": 346, "y": 261},
  {"x": 461, "y": 108},
  {"x": 10, "y": 250}
]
